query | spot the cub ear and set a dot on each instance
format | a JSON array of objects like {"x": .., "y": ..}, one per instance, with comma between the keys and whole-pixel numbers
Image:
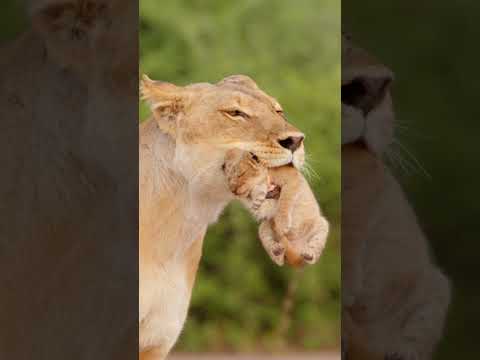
[
  {"x": 242, "y": 80},
  {"x": 166, "y": 102}
]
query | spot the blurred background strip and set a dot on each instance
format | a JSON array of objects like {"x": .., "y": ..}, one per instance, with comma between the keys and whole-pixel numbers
[{"x": 433, "y": 48}]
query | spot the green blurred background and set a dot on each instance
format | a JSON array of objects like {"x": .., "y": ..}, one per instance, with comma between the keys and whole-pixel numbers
[
  {"x": 242, "y": 301},
  {"x": 292, "y": 50},
  {"x": 433, "y": 48}
]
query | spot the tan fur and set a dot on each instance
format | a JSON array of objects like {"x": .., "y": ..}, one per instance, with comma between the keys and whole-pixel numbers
[
  {"x": 292, "y": 226},
  {"x": 153, "y": 354},
  {"x": 183, "y": 188},
  {"x": 394, "y": 297},
  {"x": 192, "y": 261}
]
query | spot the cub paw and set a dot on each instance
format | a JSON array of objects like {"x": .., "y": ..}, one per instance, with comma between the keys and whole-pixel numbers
[
  {"x": 309, "y": 252},
  {"x": 258, "y": 195},
  {"x": 309, "y": 256},
  {"x": 275, "y": 249},
  {"x": 277, "y": 254}
]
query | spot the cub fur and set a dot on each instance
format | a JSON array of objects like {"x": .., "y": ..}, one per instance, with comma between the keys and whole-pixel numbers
[{"x": 292, "y": 227}]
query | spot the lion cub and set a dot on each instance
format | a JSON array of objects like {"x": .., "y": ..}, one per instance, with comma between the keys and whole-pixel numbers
[{"x": 292, "y": 227}]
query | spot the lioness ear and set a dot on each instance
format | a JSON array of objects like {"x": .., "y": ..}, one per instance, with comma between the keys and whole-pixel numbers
[
  {"x": 243, "y": 80},
  {"x": 166, "y": 102}
]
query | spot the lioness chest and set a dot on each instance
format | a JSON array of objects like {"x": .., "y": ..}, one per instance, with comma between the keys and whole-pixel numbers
[{"x": 164, "y": 298}]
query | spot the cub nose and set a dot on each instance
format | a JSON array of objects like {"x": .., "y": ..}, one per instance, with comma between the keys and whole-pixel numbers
[
  {"x": 292, "y": 142},
  {"x": 365, "y": 93}
]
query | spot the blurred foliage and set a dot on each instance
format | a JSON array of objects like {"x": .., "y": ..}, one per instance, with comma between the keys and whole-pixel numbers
[
  {"x": 292, "y": 50},
  {"x": 432, "y": 48}
]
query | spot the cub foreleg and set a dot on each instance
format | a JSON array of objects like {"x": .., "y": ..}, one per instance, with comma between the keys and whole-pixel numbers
[{"x": 274, "y": 248}]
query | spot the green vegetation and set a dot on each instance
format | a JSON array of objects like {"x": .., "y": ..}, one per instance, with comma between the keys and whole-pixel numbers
[{"x": 292, "y": 49}]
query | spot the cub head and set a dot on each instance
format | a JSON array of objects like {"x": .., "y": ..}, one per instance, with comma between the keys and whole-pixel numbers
[
  {"x": 367, "y": 112},
  {"x": 206, "y": 120}
]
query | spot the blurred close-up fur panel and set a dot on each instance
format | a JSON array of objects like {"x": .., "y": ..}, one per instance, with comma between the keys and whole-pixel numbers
[{"x": 68, "y": 189}]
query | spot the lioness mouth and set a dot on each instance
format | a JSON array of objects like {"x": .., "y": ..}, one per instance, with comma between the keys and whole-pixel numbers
[
  {"x": 274, "y": 192},
  {"x": 254, "y": 157}
]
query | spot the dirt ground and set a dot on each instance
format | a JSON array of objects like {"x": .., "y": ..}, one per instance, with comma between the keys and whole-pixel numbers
[{"x": 320, "y": 356}]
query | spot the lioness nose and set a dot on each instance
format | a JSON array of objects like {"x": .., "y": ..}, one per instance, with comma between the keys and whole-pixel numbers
[
  {"x": 292, "y": 142},
  {"x": 365, "y": 93}
]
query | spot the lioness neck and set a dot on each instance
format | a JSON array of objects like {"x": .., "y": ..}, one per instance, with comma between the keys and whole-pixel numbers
[{"x": 172, "y": 214}]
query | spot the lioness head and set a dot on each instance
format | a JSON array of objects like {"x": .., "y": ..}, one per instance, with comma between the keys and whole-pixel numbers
[
  {"x": 206, "y": 120},
  {"x": 367, "y": 113}
]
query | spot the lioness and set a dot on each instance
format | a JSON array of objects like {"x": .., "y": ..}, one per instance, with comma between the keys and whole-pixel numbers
[
  {"x": 183, "y": 188},
  {"x": 394, "y": 297}
]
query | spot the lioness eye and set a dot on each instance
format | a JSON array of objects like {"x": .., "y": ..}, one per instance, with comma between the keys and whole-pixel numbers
[
  {"x": 281, "y": 113},
  {"x": 237, "y": 113}
]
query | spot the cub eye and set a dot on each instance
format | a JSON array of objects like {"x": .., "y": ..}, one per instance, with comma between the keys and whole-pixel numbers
[
  {"x": 236, "y": 113},
  {"x": 281, "y": 113}
]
